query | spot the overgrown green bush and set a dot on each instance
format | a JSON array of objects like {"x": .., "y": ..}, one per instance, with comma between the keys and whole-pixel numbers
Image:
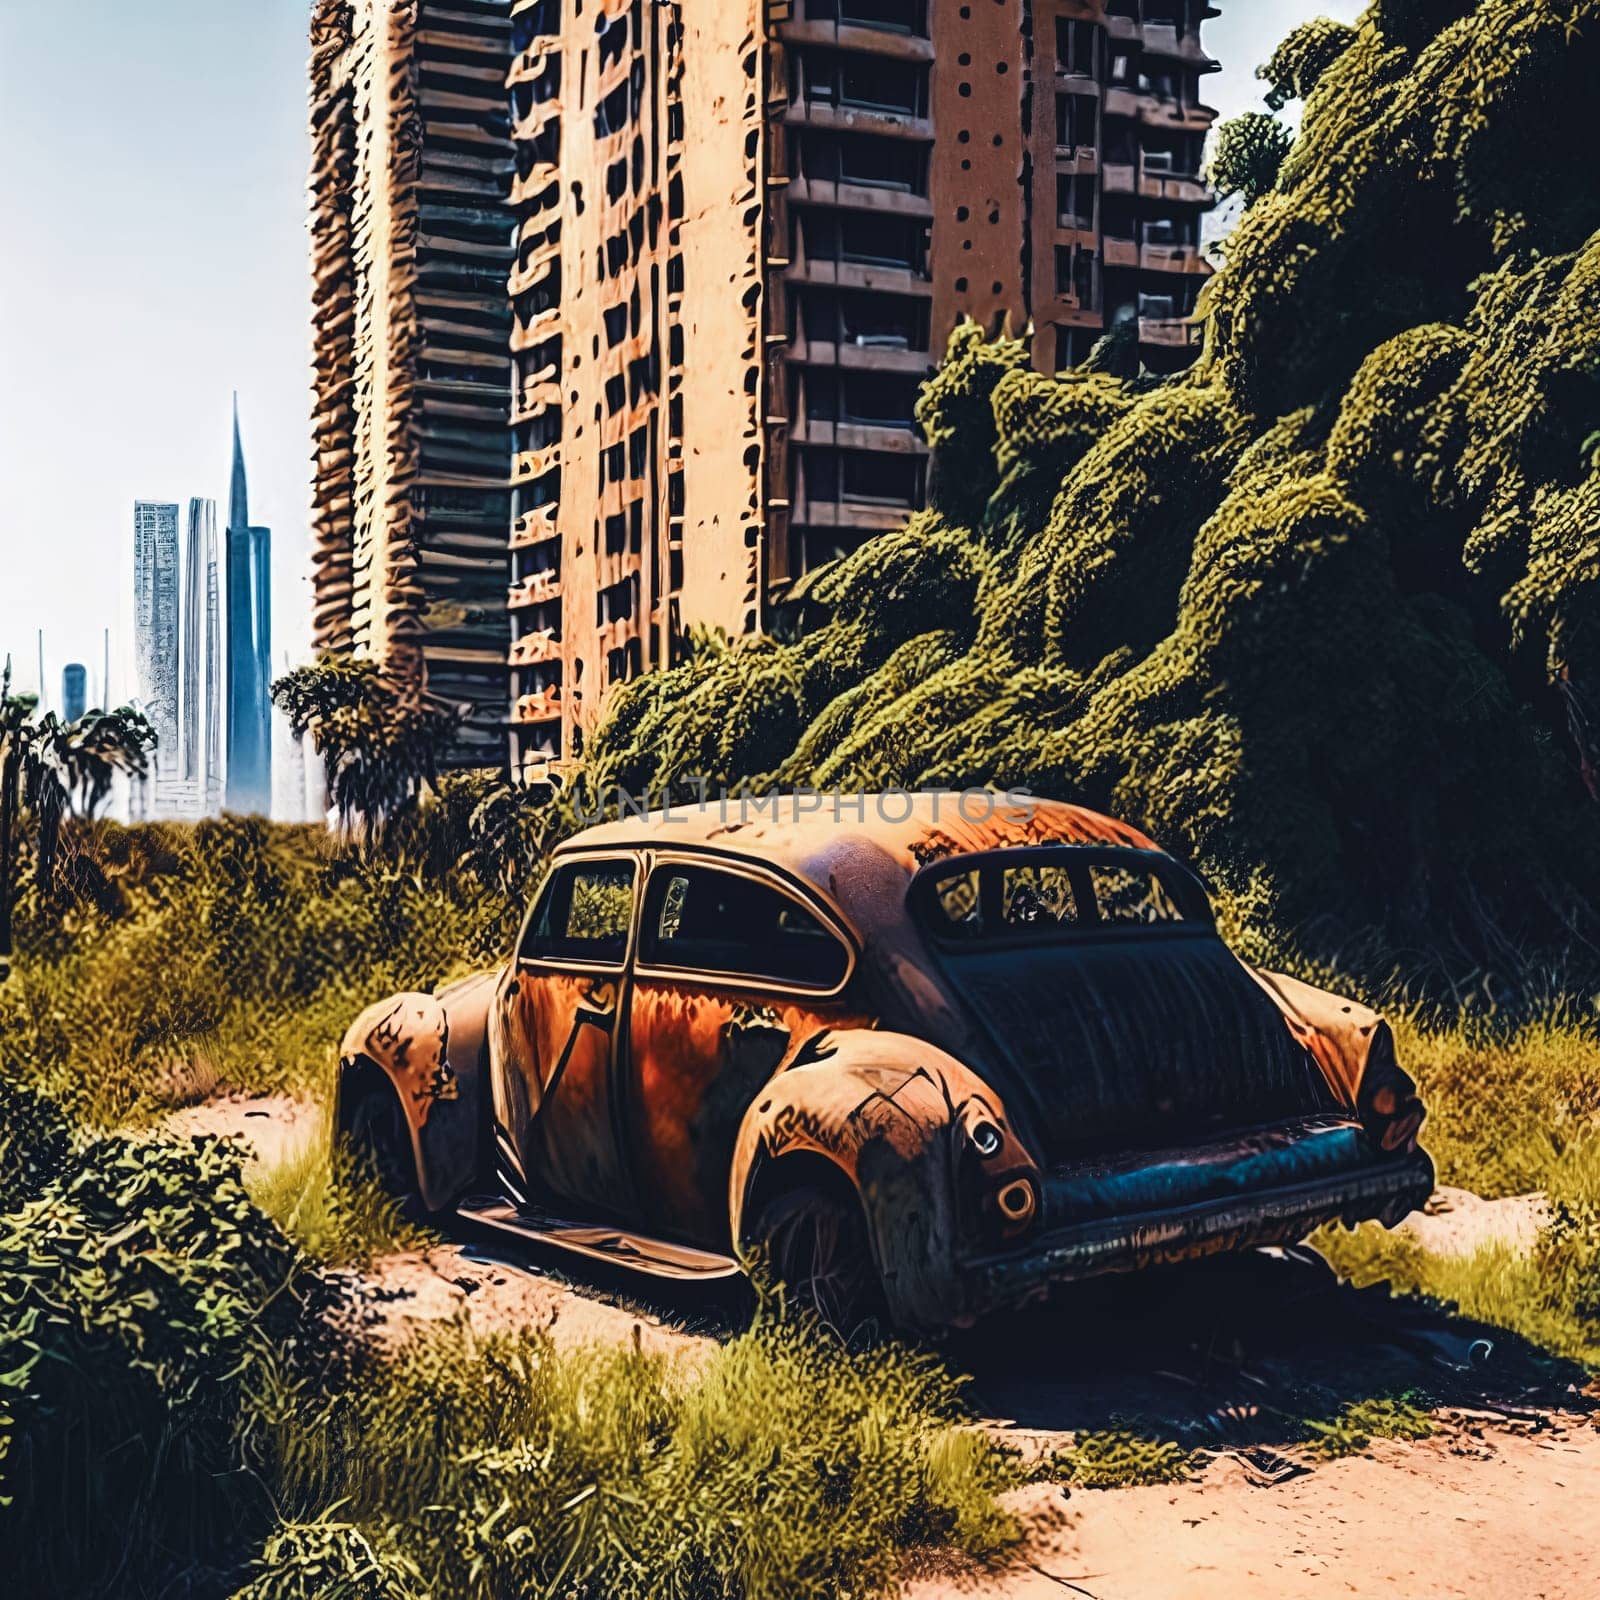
[
  {"x": 1321, "y": 613},
  {"x": 138, "y": 1286}
]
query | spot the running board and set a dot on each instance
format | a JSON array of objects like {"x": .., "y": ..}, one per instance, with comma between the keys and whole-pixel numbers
[{"x": 661, "y": 1258}]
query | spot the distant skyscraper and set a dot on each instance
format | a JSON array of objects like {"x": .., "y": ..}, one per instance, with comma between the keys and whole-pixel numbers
[
  {"x": 202, "y": 660},
  {"x": 74, "y": 691},
  {"x": 155, "y": 626},
  {"x": 249, "y": 784}
]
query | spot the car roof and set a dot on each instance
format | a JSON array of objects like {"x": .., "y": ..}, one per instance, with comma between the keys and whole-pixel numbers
[{"x": 851, "y": 846}]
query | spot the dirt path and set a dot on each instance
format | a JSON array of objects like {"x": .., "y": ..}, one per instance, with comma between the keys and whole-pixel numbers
[
  {"x": 1505, "y": 1515},
  {"x": 496, "y": 1287},
  {"x": 1226, "y": 1358}
]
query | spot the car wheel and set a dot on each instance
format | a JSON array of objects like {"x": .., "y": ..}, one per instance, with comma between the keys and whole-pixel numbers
[
  {"x": 814, "y": 1242},
  {"x": 381, "y": 1144}
]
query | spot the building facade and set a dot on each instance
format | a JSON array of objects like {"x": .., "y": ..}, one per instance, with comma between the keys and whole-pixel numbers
[
  {"x": 411, "y": 251},
  {"x": 699, "y": 275},
  {"x": 202, "y": 660},
  {"x": 248, "y": 781},
  {"x": 745, "y": 232},
  {"x": 155, "y": 637}
]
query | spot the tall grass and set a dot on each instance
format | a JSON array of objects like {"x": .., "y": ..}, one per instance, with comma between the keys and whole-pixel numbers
[
  {"x": 332, "y": 1206},
  {"x": 1507, "y": 1106},
  {"x": 782, "y": 1465},
  {"x": 229, "y": 953}
]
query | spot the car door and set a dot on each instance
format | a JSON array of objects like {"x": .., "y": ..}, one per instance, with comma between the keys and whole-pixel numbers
[
  {"x": 735, "y": 969},
  {"x": 556, "y": 1114}
]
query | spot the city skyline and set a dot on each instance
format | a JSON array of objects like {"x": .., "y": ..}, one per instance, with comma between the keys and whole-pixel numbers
[{"x": 188, "y": 313}]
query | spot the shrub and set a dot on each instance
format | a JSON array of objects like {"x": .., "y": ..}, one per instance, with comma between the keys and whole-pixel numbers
[{"x": 137, "y": 1287}]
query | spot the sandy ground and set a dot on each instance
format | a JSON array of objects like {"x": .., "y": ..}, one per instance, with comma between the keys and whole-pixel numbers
[
  {"x": 1505, "y": 1497},
  {"x": 1506, "y": 1515},
  {"x": 272, "y": 1126},
  {"x": 1456, "y": 1222}
]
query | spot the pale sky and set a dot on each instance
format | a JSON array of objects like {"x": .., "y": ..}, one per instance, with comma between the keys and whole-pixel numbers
[{"x": 154, "y": 260}]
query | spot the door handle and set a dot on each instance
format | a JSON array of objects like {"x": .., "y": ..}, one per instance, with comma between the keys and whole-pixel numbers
[{"x": 600, "y": 995}]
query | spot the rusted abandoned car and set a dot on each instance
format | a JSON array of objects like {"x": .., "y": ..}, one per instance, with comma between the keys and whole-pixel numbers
[{"x": 933, "y": 1059}]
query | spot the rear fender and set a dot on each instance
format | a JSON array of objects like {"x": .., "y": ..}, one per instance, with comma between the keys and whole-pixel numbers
[
  {"x": 1354, "y": 1047},
  {"x": 895, "y": 1116},
  {"x": 433, "y": 1049}
]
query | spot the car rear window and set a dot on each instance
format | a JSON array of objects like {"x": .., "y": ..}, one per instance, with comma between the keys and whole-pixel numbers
[{"x": 1035, "y": 894}]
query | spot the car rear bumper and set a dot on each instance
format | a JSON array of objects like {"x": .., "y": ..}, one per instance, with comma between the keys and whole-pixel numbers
[{"x": 1384, "y": 1191}]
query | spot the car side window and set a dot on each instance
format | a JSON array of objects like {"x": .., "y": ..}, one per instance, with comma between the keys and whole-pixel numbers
[
  {"x": 703, "y": 919},
  {"x": 584, "y": 914}
]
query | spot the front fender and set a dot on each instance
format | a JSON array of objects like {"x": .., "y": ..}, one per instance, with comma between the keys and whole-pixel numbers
[
  {"x": 894, "y": 1114},
  {"x": 433, "y": 1049}
]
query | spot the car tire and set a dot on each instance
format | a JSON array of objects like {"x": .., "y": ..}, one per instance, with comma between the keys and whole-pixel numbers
[
  {"x": 814, "y": 1242},
  {"x": 377, "y": 1136}
]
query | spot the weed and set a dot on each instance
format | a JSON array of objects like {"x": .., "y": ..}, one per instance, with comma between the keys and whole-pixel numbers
[
  {"x": 1119, "y": 1458},
  {"x": 781, "y": 1464},
  {"x": 337, "y": 1211},
  {"x": 1357, "y": 1424}
]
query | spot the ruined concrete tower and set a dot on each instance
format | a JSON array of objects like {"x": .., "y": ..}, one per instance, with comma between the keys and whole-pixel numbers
[
  {"x": 745, "y": 231},
  {"x": 411, "y": 248}
]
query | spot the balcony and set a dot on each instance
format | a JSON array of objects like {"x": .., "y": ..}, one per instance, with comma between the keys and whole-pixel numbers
[
  {"x": 539, "y": 589},
  {"x": 858, "y": 197},
  {"x": 535, "y": 649},
  {"x": 1172, "y": 258},
  {"x": 534, "y": 401},
  {"x": 852, "y": 357},
  {"x": 525, "y": 190},
  {"x": 535, "y": 527},
  {"x": 847, "y": 35},
  {"x": 856, "y": 275},
  {"x": 531, "y": 464},
  {"x": 1121, "y": 252},
  {"x": 1175, "y": 188},
  {"x": 1118, "y": 177},
  {"x": 1163, "y": 39},
  {"x": 868, "y": 515},
  {"x": 544, "y": 705},
  {"x": 853, "y": 119},
  {"x": 880, "y": 438},
  {"x": 1155, "y": 113}
]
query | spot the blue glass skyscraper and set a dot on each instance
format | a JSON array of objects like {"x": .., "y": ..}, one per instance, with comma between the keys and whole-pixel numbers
[{"x": 249, "y": 647}]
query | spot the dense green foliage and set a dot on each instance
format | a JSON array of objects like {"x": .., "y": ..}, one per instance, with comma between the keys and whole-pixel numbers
[
  {"x": 1321, "y": 613},
  {"x": 380, "y": 736},
  {"x": 137, "y": 1286},
  {"x": 1248, "y": 155},
  {"x": 178, "y": 1376}
]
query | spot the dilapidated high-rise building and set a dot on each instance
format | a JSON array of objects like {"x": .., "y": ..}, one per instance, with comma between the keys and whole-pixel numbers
[
  {"x": 411, "y": 250},
  {"x": 745, "y": 232}
]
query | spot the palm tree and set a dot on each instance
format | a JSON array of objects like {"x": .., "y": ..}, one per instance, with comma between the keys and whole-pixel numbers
[
  {"x": 380, "y": 736},
  {"x": 49, "y": 769}
]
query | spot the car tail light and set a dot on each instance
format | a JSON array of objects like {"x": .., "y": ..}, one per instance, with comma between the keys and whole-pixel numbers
[{"x": 1017, "y": 1203}]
